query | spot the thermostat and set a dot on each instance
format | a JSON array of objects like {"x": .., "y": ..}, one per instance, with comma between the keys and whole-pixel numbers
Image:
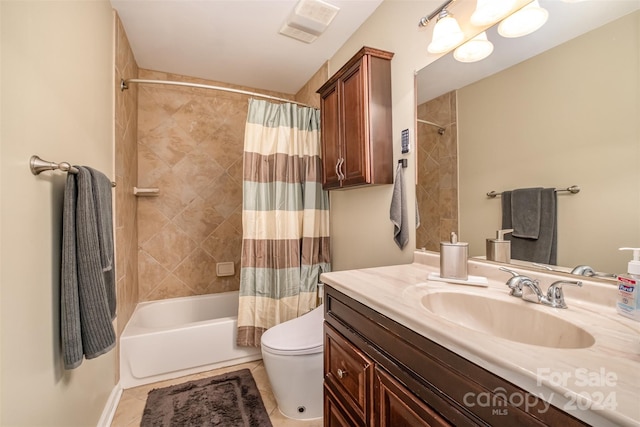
[{"x": 405, "y": 141}]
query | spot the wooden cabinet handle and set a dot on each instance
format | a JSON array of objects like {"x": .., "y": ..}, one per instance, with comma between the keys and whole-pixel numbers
[
  {"x": 341, "y": 176},
  {"x": 341, "y": 373}
]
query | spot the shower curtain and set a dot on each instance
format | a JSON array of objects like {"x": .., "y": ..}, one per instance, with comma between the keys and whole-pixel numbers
[{"x": 285, "y": 217}]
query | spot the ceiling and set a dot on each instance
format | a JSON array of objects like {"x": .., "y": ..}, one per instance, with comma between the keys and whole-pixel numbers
[{"x": 234, "y": 41}]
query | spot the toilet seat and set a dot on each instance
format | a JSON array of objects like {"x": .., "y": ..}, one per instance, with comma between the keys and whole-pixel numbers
[{"x": 302, "y": 335}]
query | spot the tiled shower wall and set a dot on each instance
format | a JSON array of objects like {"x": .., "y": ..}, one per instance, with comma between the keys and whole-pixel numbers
[
  {"x": 437, "y": 183},
  {"x": 190, "y": 145},
  {"x": 126, "y": 155}
]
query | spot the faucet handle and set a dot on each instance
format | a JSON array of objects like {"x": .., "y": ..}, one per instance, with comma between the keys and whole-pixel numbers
[
  {"x": 515, "y": 282},
  {"x": 555, "y": 294},
  {"x": 508, "y": 270}
]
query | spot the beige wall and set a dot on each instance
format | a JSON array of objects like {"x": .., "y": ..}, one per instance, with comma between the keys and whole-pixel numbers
[
  {"x": 190, "y": 144},
  {"x": 57, "y": 102},
  {"x": 575, "y": 121}
]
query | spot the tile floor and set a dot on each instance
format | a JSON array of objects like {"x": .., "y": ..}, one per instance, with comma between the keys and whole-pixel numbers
[{"x": 132, "y": 401}]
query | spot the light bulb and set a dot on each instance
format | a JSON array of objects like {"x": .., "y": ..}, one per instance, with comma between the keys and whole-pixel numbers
[
  {"x": 523, "y": 22},
  {"x": 474, "y": 50},
  {"x": 446, "y": 34},
  {"x": 491, "y": 11}
]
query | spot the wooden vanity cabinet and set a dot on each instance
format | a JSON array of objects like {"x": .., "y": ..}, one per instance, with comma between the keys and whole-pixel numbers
[
  {"x": 355, "y": 121},
  {"x": 379, "y": 373}
]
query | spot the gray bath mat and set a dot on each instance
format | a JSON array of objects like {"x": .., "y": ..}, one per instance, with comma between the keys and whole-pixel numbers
[{"x": 227, "y": 400}]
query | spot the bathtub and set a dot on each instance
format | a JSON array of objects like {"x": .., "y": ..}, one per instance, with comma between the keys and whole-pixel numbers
[{"x": 181, "y": 336}]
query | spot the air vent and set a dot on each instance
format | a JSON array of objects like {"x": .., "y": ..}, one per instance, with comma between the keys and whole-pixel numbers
[
  {"x": 309, "y": 19},
  {"x": 297, "y": 34}
]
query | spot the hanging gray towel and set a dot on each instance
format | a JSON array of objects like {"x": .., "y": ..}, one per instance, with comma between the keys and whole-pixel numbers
[
  {"x": 544, "y": 248},
  {"x": 87, "y": 285},
  {"x": 525, "y": 212},
  {"x": 398, "y": 210},
  {"x": 104, "y": 216}
]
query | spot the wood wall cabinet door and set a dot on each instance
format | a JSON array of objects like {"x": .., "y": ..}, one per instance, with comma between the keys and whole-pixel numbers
[
  {"x": 348, "y": 374},
  {"x": 396, "y": 406},
  {"x": 334, "y": 413},
  {"x": 356, "y": 122}
]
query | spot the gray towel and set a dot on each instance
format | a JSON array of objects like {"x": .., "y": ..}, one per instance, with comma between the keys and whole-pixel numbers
[
  {"x": 544, "y": 248},
  {"x": 525, "y": 212},
  {"x": 104, "y": 216},
  {"x": 398, "y": 210},
  {"x": 86, "y": 287}
]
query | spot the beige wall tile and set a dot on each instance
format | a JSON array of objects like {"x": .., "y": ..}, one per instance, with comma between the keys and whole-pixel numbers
[
  {"x": 437, "y": 184},
  {"x": 190, "y": 144}
]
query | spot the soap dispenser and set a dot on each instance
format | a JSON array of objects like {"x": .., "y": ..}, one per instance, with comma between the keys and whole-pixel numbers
[
  {"x": 453, "y": 259},
  {"x": 499, "y": 249},
  {"x": 628, "y": 304}
]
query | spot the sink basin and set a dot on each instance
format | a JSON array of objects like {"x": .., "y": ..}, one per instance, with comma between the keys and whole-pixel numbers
[{"x": 515, "y": 321}]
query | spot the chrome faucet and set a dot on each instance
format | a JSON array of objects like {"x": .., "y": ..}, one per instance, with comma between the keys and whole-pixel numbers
[
  {"x": 517, "y": 282},
  {"x": 529, "y": 289},
  {"x": 532, "y": 293},
  {"x": 583, "y": 270},
  {"x": 555, "y": 296}
]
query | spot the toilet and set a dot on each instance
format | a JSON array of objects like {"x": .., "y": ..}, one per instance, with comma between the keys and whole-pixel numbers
[{"x": 292, "y": 356}]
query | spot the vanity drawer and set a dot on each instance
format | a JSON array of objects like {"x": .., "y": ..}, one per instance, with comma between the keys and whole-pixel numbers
[{"x": 348, "y": 373}]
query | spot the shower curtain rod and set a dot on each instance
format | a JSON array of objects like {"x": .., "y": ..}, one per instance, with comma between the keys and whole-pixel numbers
[
  {"x": 124, "y": 84},
  {"x": 441, "y": 129}
]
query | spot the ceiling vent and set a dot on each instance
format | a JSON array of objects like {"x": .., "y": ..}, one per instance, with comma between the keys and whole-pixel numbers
[{"x": 308, "y": 20}]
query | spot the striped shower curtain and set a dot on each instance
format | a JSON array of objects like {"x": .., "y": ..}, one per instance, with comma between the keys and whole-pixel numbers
[{"x": 285, "y": 217}]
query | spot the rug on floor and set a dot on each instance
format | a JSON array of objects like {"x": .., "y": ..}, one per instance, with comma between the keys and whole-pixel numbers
[{"x": 228, "y": 400}]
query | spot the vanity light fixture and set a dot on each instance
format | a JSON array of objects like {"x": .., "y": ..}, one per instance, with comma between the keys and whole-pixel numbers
[
  {"x": 523, "y": 22},
  {"x": 446, "y": 33},
  {"x": 488, "y": 12},
  {"x": 475, "y": 49}
]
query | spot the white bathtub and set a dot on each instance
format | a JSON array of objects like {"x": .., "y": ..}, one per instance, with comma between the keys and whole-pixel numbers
[{"x": 181, "y": 336}]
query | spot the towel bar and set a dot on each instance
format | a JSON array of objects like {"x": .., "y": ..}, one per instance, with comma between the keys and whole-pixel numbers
[
  {"x": 37, "y": 165},
  {"x": 574, "y": 189}
]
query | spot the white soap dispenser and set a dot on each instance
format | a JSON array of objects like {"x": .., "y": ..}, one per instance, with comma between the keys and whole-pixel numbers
[{"x": 628, "y": 288}]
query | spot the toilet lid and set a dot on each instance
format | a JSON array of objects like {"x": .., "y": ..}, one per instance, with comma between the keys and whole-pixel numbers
[{"x": 302, "y": 335}]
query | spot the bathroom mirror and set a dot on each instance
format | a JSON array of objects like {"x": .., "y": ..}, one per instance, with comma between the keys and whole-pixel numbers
[{"x": 561, "y": 110}]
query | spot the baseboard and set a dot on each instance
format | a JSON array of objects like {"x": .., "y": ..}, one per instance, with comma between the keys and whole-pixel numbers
[{"x": 109, "y": 410}]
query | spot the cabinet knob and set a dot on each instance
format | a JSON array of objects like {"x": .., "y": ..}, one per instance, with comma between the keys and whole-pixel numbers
[{"x": 341, "y": 373}]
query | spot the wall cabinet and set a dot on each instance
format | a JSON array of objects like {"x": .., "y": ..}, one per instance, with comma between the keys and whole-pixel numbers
[
  {"x": 382, "y": 374},
  {"x": 356, "y": 122}
]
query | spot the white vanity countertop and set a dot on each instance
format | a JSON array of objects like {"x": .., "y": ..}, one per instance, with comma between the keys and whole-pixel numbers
[{"x": 599, "y": 384}]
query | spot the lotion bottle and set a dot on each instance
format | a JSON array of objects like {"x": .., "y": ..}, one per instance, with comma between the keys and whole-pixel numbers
[{"x": 628, "y": 288}]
